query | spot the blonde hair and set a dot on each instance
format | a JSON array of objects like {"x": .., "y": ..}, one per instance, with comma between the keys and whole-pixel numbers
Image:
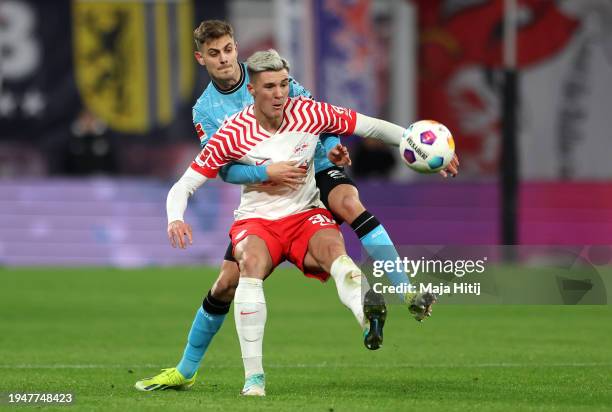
[{"x": 266, "y": 60}]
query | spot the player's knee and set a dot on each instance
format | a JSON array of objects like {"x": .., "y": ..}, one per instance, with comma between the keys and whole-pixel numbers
[
  {"x": 251, "y": 264},
  {"x": 351, "y": 206},
  {"x": 328, "y": 248}
]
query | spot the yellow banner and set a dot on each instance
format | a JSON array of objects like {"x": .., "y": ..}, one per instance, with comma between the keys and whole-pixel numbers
[{"x": 133, "y": 61}]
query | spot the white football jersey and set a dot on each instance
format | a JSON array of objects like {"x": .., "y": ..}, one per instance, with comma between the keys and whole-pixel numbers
[{"x": 240, "y": 139}]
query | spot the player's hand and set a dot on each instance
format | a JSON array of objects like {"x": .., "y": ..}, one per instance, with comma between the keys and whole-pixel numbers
[
  {"x": 286, "y": 174},
  {"x": 177, "y": 231},
  {"x": 339, "y": 156},
  {"x": 452, "y": 168}
]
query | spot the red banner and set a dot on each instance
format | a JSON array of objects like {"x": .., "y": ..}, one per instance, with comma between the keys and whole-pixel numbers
[{"x": 460, "y": 54}]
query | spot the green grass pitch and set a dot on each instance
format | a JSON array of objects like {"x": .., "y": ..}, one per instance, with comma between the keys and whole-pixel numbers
[{"x": 94, "y": 332}]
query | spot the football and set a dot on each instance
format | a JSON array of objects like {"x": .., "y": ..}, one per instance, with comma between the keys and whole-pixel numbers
[{"x": 427, "y": 146}]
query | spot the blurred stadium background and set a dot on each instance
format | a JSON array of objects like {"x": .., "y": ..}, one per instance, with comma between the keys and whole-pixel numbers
[
  {"x": 95, "y": 127},
  {"x": 95, "y": 119}
]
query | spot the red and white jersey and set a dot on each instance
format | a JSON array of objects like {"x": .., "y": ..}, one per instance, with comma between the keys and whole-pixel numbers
[{"x": 240, "y": 139}]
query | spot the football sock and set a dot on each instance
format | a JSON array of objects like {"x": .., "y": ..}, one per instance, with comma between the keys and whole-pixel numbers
[
  {"x": 208, "y": 320},
  {"x": 250, "y": 315},
  {"x": 378, "y": 244},
  {"x": 348, "y": 278}
]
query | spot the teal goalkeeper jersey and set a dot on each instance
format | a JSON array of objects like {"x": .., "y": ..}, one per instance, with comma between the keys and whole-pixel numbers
[{"x": 215, "y": 105}]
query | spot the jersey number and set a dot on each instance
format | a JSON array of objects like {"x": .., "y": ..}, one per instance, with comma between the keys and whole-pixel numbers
[{"x": 321, "y": 220}]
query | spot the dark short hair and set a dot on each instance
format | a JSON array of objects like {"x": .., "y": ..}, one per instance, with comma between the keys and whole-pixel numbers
[{"x": 210, "y": 30}]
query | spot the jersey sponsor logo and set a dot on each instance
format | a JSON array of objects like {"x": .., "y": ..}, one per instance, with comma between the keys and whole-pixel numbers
[
  {"x": 115, "y": 46},
  {"x": 260, "y": 162},
  {"x": 321, "y": 220}
]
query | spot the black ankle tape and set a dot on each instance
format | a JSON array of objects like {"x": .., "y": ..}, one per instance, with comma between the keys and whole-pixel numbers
[
  {"x": 215, "y": 306},
  {"x": 364, "y": 224}
]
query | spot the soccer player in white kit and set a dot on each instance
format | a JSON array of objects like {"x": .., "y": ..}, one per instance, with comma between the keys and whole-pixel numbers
[{"x": 274, "y": 223}]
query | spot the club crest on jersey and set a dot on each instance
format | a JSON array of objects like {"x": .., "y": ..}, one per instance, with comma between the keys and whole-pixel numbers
[{"x": 301, "y": 148}]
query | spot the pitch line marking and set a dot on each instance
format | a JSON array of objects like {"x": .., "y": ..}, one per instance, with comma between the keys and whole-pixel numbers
[{"x": 321, "y": 365}]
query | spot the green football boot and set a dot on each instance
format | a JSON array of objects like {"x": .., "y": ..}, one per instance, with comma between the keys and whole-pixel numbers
[{"x": 170, "y": 378}]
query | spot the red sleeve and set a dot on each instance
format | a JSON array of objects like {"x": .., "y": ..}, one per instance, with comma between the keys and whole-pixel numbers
[
  {"x": 200, "y": 132},
  {"x": 204, "y": 171},
  {"x": 336, "y": 120},
  {"x": 212, "y": 158}
]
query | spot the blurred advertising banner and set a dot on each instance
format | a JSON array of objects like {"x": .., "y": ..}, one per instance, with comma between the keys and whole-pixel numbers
[
  {"x": 105, "y": 221},
  {"x": 101, "y": 221},
  {"x": 330, "y": 44},
  {"x": 129, "y": 63},
  {"x": 344, "y": 54},
  {"x": 37, "y": 88},
  {"x": 133, "y": 60},
  {"x": 565, "y": 76},
  {"x": 294, "y": 39}
]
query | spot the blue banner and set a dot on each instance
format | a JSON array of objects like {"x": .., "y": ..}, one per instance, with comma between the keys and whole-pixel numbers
[{"x": 344, "y": 54}]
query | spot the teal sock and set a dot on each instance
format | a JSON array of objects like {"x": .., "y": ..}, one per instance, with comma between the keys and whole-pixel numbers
[
  {"x": 205, "y": 326},
  {"x": 378, "y": 244}
]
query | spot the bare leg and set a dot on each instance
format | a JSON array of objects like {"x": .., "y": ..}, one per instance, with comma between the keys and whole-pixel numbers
[
  {"x": 224, "y": 287},
  {"x": 326, "y": 251},
  {"x": 344, "y": 202}
]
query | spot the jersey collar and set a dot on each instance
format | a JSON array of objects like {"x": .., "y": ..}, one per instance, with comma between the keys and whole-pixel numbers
[{"x": 237, "y": 86}]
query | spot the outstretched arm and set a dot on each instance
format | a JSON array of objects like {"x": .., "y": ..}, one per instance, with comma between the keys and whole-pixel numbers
[
  {"x": 176, "y": 203},
  {"x": 388, "y": 132},
  {"x": 391, "y": 133}
]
